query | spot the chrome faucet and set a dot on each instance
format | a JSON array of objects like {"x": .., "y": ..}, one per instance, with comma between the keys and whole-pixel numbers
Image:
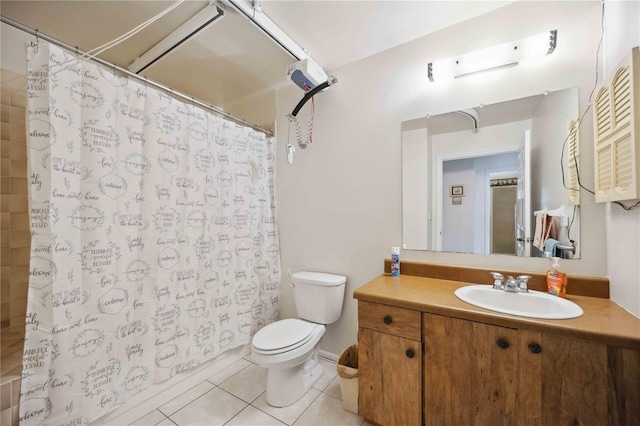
[
  {"x": 513, "y": 285},
  {"x": 498, "y": 280},
  {"x": 523, "y": 286}
]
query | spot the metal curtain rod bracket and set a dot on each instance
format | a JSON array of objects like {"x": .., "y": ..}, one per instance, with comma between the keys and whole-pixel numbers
[{"x": 40, "y": 35}]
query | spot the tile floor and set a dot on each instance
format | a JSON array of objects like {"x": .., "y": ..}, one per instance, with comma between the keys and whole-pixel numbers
[{"x": 236, "y": 396}]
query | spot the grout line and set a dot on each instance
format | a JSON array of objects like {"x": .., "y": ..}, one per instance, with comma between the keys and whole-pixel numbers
[
  {"x": 198, "y": 397},
  {"x": 305, "y": 410},
  {"x": 167, "y": 418},
  {"x": 236, "y": 396}
]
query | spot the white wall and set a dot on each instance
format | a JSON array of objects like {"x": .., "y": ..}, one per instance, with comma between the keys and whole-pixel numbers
[
  {"x": 548, "y": 191},
  {"x": 339, "y": 204},
  {"x": 415, "y": 187},
  {"x": 457, "y": 220},
  {"x": 623, "y": 227}
]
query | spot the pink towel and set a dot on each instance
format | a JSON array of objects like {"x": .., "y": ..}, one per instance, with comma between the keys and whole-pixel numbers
[{"x": 545, "y": 228}]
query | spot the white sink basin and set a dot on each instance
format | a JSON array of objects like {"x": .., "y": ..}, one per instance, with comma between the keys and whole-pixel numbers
[{"x": 533, "y": 304}]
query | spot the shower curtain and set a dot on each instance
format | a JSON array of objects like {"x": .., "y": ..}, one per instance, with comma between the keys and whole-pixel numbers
[{"x": 154, "y": 242}]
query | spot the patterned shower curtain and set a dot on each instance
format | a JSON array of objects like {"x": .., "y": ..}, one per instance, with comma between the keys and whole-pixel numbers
[{"x": 154, "y": 243}]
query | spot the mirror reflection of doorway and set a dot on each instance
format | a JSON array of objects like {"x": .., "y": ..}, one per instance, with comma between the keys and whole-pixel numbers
[
  {"x": 466, "y": 221},
  {"x": 503, "y": 200}
]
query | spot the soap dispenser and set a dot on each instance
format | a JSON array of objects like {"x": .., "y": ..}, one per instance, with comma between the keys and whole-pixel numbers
[{"x": 557, "y": 280}]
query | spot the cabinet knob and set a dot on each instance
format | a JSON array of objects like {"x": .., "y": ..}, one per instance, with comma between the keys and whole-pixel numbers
[
  {"x": 502, "y": 343},
  {"x": 410, "y": 353},
  {"x": 387, "y": 319},
  {"x": 534, "y": 348}
]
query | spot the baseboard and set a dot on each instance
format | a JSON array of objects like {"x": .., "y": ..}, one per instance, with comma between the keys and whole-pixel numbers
[{"x": 328, "y": 355}]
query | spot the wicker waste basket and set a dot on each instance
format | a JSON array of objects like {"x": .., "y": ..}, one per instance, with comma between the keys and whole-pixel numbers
[{"x": 348, "y": 372}]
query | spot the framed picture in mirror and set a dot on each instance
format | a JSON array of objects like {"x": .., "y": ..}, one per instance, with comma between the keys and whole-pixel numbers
[{"x": 456, "y": 190}]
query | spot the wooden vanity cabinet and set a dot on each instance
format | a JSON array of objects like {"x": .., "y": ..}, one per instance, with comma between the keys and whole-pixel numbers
[
  {"x": 476, "y": 373},
  {"x": 469, "y": 372},
  {"x": 473, "y": 367},
  {"x": 389, "y": 364}
]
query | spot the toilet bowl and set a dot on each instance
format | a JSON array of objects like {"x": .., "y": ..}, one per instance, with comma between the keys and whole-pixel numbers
[
  {"x": 289, "y": 348},
  {"x": 292, "y": 362}
]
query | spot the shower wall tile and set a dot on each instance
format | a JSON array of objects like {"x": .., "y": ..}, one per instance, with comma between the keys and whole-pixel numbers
[
  {"x": 5, "y": 396},
  {"x": 17, "y": 312},
  {"x": 5, "y": 203},
  {"x": 19, "y": 98},
  {"x": 5, "y": 167},
  {"x": 5, "y": 220},
  {"x": 18, "y": 203},
  {"x": 19, "y": 221},
  {"x": 18, "y": 151},
  {"x": 20, "y": 239},
  {"x": 5, "y": 416},
  {"x": 17, "y": 115},
  {"x": 5, "y": 257},
  {"x": 4, "y": 314},
  {"x": 18, "y": 169},
  {"x": 18, "y": 133},
  {"x": 15, "y": 238},
  {"x": 18, "y": 292},
  {"x": 5, "y": 149},
  {"x": 19, "y": 273},
  {"x": 5, "y": 293},
  {"x": 19, "y": 185},
  {"x": 5, "y": 185},
  {"x": 20, "y": 256},
  {"x": 15, "y": 390},
  {"x": 5, "y": 112}
]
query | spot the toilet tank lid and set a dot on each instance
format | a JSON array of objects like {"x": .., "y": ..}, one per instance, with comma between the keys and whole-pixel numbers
[{"x": 318, "y": 278}]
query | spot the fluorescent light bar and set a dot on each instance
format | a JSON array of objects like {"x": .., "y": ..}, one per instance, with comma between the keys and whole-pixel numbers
[
  {"x": 193, "y": 26},
  {"x": 493, "y": 58},
  {"x": 260, "y": 20},
  {"x": 499, "y": 67}
]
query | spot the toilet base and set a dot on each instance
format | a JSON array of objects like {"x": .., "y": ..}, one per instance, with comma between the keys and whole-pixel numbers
[{"x": 287, "y": 385}]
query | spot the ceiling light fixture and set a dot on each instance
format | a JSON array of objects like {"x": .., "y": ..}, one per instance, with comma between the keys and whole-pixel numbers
[
  {"x": 495, "y": 57},
  {"x": 200, "y": 21}
]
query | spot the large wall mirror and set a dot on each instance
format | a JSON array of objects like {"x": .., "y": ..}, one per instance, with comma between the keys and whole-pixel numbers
[{"x": 494, "y": 179}]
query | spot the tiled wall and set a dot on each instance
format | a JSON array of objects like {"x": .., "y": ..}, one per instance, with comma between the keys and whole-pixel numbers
[
  {"x": 15, "y": 237},
  {"x": 9, "y": 397}
]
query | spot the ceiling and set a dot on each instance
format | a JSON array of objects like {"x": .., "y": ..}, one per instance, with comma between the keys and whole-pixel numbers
[
  {"x": 337, "y": 33},
  {"x": 231, "y": 60}
]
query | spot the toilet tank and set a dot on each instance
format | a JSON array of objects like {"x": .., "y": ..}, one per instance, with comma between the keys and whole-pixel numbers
[{"x": 318, "y": 296}]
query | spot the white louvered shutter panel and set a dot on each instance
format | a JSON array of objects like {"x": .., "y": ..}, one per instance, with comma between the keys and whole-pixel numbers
[
  {"x": 573, "y": 161},
  {"x": 616, "y": 120}
]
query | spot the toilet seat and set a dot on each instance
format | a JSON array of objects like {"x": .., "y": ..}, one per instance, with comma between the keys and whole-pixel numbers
[{"x": 282, "y": 336}]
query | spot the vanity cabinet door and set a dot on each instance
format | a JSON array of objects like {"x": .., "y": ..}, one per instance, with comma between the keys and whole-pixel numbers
[
  {"x": 565, "y": 381},
  {"x": 469, "y": 372},
  {"x": 623, "y": 386},
  {"x": 574, "y": 381},
  {"x": 389, "y": 370}
]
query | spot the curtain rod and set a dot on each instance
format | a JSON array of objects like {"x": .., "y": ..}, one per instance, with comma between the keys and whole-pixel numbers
[{"x": 152, "y": 83}]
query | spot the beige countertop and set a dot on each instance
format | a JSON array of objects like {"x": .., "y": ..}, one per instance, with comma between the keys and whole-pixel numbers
[{"x": 603, "y": 320}]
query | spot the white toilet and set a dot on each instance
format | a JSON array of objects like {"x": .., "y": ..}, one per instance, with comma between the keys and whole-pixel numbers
[{"x": 289, "y": 348}]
